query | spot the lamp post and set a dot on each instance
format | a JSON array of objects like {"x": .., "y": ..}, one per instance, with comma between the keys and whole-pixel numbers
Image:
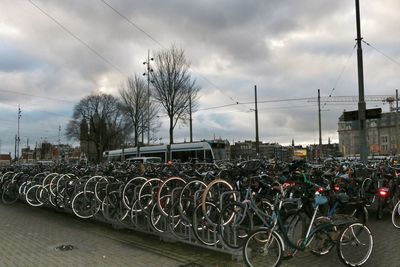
[
  {"x": 361, "y": 99},
  {"x": 18, "y": 138},
  {"x": 256, "y": 118},
  {"x": 148, "y": 70},
  {"x": 319, "y": 126}
]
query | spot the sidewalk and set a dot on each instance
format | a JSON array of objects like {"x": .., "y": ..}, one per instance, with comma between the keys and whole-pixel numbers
[{"x": 30, "y": 237}]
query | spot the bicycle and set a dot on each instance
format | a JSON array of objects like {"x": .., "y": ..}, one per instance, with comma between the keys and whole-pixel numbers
[{"x": 265, "y": 246}]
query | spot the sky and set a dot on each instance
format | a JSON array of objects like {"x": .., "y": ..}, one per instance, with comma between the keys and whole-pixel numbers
[{"x": 54, "y": 53}]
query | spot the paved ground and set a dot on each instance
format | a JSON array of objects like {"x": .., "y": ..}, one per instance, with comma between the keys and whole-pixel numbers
[{"x": 30, "y": 237}]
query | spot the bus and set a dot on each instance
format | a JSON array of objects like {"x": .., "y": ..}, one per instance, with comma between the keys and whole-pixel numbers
[{"x": 206, "y": 151}]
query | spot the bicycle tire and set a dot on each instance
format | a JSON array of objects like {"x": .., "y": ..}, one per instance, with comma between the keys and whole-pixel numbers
[
  {"x": 396, "y": 215},
  {"x": 235, "y": 224},
  {"x": 204, "y": 232},
  {"x": 357, "y": 234},
  {"x": 164, "y": 194},
  {"x": 84, "y": 205},
  {"x": 31, "y": 196},
  {"x": 212, "y": 193},
  {"x": 263, "y": 247},
  {"x": 322, "y": 242}
]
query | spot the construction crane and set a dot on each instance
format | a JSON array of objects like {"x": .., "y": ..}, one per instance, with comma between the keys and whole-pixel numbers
[{"x": 390, "y": 99}]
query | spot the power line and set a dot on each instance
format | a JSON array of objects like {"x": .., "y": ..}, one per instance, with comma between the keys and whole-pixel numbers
[
  {"x": 37, "y": 96},
  {"x": 135, "y": 25},
  {"x": 341, "y": 73},
  {"x": 262, "y": 101},
  {"x": 132, "y": 23},
  {"x": 345, "y": 99},
  {"x": 77, "y": 38},
  {"x": 379, "y": 51}
]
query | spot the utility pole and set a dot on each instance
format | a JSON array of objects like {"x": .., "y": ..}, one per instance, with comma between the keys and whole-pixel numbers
[
  {"x": 256, "y": 116},
  {"x": 190, "y": 118},
  {"x": 397, "y": 121},
  {"x": 15, "y": 148},
  {"x": 319, "y": 125},
  {"x": 361, "y": 101},
  {"x": 59, "y": 135},
  {"x": 148, "y": 70},
  {"x": 18, "y": 139}
]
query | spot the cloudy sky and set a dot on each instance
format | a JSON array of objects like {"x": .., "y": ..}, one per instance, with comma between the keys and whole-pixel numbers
[{"x": 288, "y": 48}]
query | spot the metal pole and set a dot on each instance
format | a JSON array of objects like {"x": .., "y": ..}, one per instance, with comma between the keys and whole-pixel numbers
[
  {"x": 18, "y": 139},
  {"x": 190, "y": 118},
  {"x": 397, "y": 121},
  {"x": 361, "y": 101},
  {"x": 15, "y": 148},
  {"x": 148, "y": 96},
  {"x": 256, "y": 116},
  {"x": 319, "y": 125}
]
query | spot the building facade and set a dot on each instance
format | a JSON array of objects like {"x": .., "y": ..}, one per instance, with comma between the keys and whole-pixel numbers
[
  {"x": 247, "y": 150},
  {"x": 383, "y": 135}
]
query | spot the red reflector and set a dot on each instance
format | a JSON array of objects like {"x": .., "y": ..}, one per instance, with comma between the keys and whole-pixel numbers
[
  {"x": 337, "y": 188},
  {"x": 320, "y": 190},
  {"x": 382, "y": 193}
]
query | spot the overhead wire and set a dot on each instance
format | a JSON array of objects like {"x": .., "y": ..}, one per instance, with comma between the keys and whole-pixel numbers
[
  {"x": 259, "y": 102},
  {"x": 135, "y": 25},
  {"x": 36, "y": 96},
  {"x": 379, "y": 51},
  {"x": 340, "y": 74},
  {"x": 94, "y": 51},
  {"x": 132, "y": 23}
]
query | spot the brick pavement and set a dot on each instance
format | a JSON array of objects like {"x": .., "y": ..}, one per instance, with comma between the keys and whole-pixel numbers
[{"x": 29, "y": 237}]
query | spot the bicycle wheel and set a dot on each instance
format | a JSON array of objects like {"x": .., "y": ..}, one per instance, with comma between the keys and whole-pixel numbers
[
  {"x": 204, "y": 232},
  {"x": 263, "y": 248},
  {"x": 323, "y": 240},
  {"x": 157, "y": 221},
  {"x": 10, "y": 193},
  {"x": 220, "y": 193},
  {"x": 355, "y": 244},
  {"x": 396, "y": 215},
  {"x": 113, "y": 209},
  {"x": 177, "y": 227},
  {"x": 166, "y": 193},
  {"x": 85, "y": 206},
  {"x": 235, "y": 224},
  {"x": 295, "y": 227},
  {"x": 31, "y": 196}
]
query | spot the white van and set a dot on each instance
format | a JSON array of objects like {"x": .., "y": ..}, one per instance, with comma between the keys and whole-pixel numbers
[{"x": 144, "y": 160}]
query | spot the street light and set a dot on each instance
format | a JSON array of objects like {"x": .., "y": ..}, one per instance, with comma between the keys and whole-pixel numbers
[
  {"x": 17, "y": 138},
  {"x": 148, "y": 71}
]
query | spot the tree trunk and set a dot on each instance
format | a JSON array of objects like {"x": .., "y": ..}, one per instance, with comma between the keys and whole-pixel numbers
[
  {"x": 137, "y": 141},
  {"x": 171, "y": 130}
]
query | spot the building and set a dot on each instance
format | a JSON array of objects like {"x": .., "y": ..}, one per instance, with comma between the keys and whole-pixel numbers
[
  {"x": 5, "y": 159},
  {"x": 49, "y": 152},
  {"x": 383, "y": 135},
  {"x": 27, "y": 155},
  {"x": 328, "y": 150},
  {"x": 247, "y": 150}
]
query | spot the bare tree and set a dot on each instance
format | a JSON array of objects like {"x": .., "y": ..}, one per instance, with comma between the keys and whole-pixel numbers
[
  {"x": 105, "y": 125},
  {"x": 142, "y": 113},
  {"x": 173, "y": 86}
]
